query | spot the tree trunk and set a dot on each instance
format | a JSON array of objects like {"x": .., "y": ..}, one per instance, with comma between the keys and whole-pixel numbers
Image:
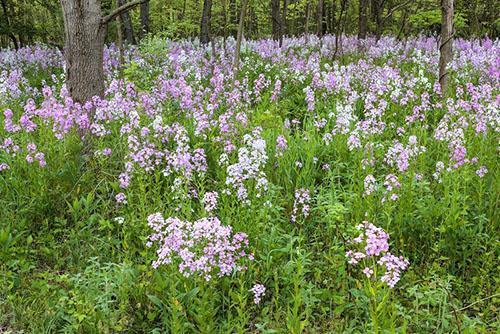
[
  {"x": 363, "y": 21},
  {"x": 340, "y": 28},
  {"x": 83, "y": 50},
  {"x": 276, "y": 20},
  {"x": 144, "y": 14},
  {"x": 445, "y": 49},
  {"x": 308, "y": 14},
  {"x": 319, "y": 19},
  {"x": 85, "y": 32},
  {"x": 284, "y": 27},
  {"x": 224, "y": 23},
  {"x": 9, "y": 28},
  {"x": 205, "y": 22},
  {"x": 239, "y": 39},
  {"x": 233, "y": 17},
  {"x": 127, "y": 29}
]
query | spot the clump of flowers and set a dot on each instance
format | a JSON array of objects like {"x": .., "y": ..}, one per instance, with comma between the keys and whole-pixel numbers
[
  {"x": 252, "y": 159},
  {"x": 281, "y": 145},
  {"x": 301, "y": 204},
  {"x": 369, "y": 184},
  {"x": 210, "y": 201},
  {"x": 391, "y": 185},
  {"x": 371, "y": 249},
  {"x": 259, "y": 291},
  {"x": 204, "y": 248}
]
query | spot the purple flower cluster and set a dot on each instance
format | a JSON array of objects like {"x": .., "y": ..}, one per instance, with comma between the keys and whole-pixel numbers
[
  {"x": 373, "y": 243},
  {"x": 301, "y": 204},
  {"x": 210, "y": 201},
  {"x": 203, "y": 248},
  {"x": 281, "y": 145},
  {"x": 259, "y": 291}
]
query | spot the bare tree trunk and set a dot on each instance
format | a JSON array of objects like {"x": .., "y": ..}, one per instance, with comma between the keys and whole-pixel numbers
[
  {"x": 224, "y": 22},
  {"x": 275, "y": 19},
  {"x": 445, "y": 49},
  {"x": 340, "y": 28},
  {"x": 85, "y": 32},
  {"x": 6, "y": 15},
  {"x": 83, "y": 50},
  {"x": 119, "y": 35},
  {"x": 363, "y": 20},
  {"x": 284, "y": 27},
  {"x": 206, "y": 17},
  {"x": 308, "y": 15},
  {"x": 144, "y": 20},
  {"x": 319, "y": 19},
  {"x": 239, "y": 38},
  {"x": 233, "y": 16},
  {"x": 126, "y": 23}
]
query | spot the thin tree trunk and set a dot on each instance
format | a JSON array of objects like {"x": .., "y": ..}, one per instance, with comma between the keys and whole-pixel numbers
[
  {"x": 239, "y": 39},
  {"x": 275, "y": 19},
  {"x": 308, "y": 15},
  {"x": 206, "y": 17},
  {"x": 284, "y": 27},
  {"x": 233, "y": 17},
  {"x": 363, "y": 20},
  {"x": 319, "y": 19},
  {"x": 126, "y": 24},
  {"x": 340, "y": 29},
  {"x": 445, "y": 49},
  {"x": 144, "y": 13},
  {"x": 119, "y": 35},
  {"x": 224, "y": 22}
]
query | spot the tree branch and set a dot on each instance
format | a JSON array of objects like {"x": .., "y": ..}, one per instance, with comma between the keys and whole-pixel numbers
[
  {"x": 120, "y": 10},
  {"x": 393, "y": 9}
]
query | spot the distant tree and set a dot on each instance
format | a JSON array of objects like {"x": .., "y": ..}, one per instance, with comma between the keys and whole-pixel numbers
[
  {"x": 319, "y": 19},
  {"x": 126, "y": 24},
  {"x": 144, "y": 18},
  {"x": 206, "y": 17},
  {"x": 445, "y": 48},
  {"x": 275, "y": 19},
  {"x": 239, "y": 39},
  {"x": 363, "y": 19}
]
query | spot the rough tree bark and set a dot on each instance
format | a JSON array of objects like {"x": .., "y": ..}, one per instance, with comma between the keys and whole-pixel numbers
[
  {"x": 275, "y": 19},
  {"x": 85, "y": 32},
  {"x": 363, "y": 20},
  {"x": 445, "y": 48},
  {"x": 126, "y": 23},
  {"x": 206, "y": 17}
]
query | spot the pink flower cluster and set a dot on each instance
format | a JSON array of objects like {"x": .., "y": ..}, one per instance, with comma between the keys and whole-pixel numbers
[
  {"x": 203, "y": 248},
  {"x": 373, "y": 243}
]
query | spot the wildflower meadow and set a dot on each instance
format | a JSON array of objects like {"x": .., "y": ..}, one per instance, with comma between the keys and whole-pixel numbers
[{"x": 313, "y": 191}]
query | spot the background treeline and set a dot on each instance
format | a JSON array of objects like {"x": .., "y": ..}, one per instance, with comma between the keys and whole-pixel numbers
[{"x": 28, "y": 21}]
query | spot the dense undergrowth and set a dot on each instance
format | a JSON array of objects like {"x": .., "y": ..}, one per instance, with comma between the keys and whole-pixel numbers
[{"x": 192, "y": 204}]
